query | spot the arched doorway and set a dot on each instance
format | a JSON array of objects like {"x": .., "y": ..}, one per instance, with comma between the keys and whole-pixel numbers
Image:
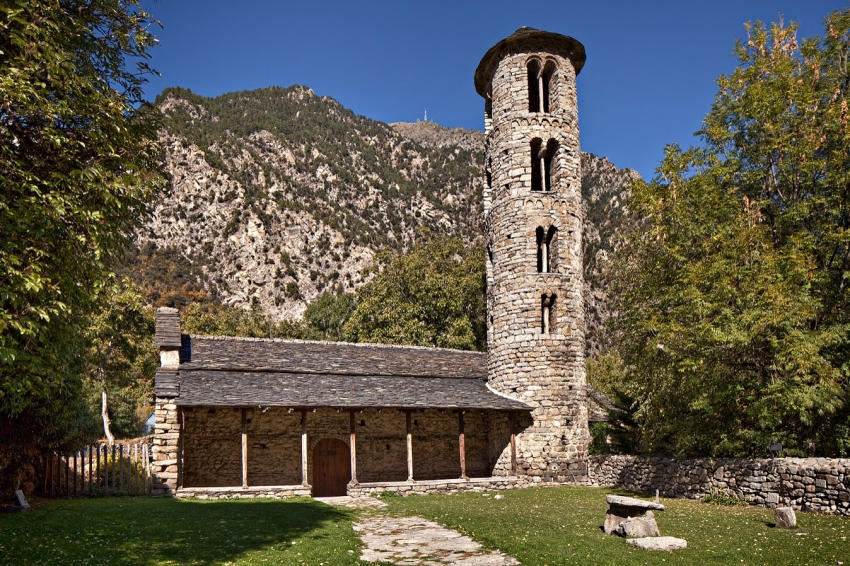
[{"x": 331, "y": 467}]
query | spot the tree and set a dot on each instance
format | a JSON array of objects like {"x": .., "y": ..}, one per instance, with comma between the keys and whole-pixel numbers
[
  {"x": 327, "y": 315},
  {"x": 433, "y": 296},
  {"x": 732, "y": 294},
  {"x": 78, "y": 162},
  {"x": 120, "y": 342}
]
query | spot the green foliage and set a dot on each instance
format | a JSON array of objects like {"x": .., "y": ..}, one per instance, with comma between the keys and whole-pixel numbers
[
  {"x": 433, "y": 296},
  {"x": 727, "y": 499},
  {"x": 78, "y": 162},
  {"x": 218, "y": 320},
  {"x": 732, "y": 295},
  {"x": 121, "y": 359},
  {"x": 328, "y": 314}
]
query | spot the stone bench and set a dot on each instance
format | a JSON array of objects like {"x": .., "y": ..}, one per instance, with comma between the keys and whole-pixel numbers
[{"x": 628, "y": 516}]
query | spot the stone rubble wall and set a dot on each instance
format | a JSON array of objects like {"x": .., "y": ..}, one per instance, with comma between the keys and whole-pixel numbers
[
  {"x": 807, "y": 484},
  {"x": 544, "y": 370},
  {"x": 165, "y": 447}
]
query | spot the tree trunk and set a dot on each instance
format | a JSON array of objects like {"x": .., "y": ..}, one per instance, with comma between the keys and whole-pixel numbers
[{"x": 104, "y": 413}]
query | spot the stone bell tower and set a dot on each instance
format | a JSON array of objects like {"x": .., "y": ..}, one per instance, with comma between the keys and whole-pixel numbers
[{"x": 533, "y": 218}]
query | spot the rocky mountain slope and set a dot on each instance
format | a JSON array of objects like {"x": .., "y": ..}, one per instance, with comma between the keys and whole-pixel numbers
[{"x": 278, "y": 195}]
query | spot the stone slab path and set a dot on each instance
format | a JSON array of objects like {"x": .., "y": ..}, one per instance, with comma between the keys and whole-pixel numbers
[{"x": 415, "y": 541}]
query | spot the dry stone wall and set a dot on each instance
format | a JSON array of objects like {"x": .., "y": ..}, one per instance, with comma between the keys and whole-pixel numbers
[
  {"x": 808, "y": 484},
  {"x": 541, "y": 367}
]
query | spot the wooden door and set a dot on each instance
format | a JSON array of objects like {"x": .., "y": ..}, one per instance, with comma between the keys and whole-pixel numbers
[{"x": 331, "y": 467}]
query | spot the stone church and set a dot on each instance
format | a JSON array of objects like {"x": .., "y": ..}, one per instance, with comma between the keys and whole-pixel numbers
[{"x": 258, "y": 417}]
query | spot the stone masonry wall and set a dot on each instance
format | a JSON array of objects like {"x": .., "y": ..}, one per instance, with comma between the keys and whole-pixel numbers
[
  {"x": 212, "y": 448},
  {"x": 808, "y": 484},
  {"x": 544, "y": 370}
]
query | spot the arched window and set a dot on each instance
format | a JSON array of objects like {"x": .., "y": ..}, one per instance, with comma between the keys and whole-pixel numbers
[
  {"x": 539, "y": 85},
  {"x": 548, "y": 313},
  {"x": 542, "y": 164},
  {"x": 546, "y": 249}
]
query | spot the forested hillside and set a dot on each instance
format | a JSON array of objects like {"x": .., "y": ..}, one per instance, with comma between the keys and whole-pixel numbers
[{"x": 278, "y": 195}]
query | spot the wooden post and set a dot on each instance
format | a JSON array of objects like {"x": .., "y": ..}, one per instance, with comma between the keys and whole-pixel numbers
[
  {"x": 407, "y": 417},
  {"x": 513, "y": 443},
  {"x": 353, "y": 448},
  {"x": 304, "y": 448},
  {"x": 91, "y": 469},
  {"x": 96, "y": 448},
  {"x": 145, "y": 469},
  {"x": 67, "y": 466},
  {"x": 462, "y": 445},
  {"x": 76, "y": 486},
  {"x": 120, "y": 468},
  {"x": 114, "y": 475},
  {"x": 244, "y": 449}
]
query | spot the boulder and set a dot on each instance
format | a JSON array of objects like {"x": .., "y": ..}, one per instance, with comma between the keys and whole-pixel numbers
[
  {"x": 785, "y": 518},
  {"x": 621, "y": 509},
  {"x": 659, "y": 543},
  {"x": 639, "y": 527}
]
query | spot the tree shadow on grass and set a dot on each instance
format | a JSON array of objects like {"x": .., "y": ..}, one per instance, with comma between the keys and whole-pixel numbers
[{"x": 156, "y": 531}]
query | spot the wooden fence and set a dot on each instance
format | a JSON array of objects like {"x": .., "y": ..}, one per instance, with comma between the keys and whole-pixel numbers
[{"x": 99, "y": 470}]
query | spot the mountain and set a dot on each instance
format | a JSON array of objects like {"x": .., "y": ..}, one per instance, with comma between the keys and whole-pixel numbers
[{"x": 278, "y": 195}]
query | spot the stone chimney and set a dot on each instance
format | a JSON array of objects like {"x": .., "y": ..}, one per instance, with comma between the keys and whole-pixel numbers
[
  {"x": 166, "y": 440},
  {"x": 168, "y": 336}
]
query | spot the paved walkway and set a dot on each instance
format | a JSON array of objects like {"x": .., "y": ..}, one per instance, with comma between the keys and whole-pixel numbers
[{"x": 414, "y": 540}]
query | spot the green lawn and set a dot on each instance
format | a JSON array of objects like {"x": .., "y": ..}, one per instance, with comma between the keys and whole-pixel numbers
[
  {"x": 562, "y": 525},
  {"x": 122, "y": 530},
  {"x": 545, "y": 526}
]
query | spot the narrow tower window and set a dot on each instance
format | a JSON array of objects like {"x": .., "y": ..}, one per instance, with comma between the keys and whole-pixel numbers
[
  {"x": 548, "y": 308},
  {"x": 535, "y": 98},
  {"x": 546, "y": 239},
  {"x": 538, "y": 164},
  {"x": 545, "y": 87},
  {"x": 539, "y": 85},
  {"x": 551, "y": 152}
]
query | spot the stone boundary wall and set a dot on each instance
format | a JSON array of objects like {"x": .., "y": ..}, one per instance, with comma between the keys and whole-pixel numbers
[
  {"x": 269, "y": 492},
  {"x": 806, "y": 484}
]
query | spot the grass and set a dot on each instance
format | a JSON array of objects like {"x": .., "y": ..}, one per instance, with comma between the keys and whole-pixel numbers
[
  {"x": 562, "y": 525},
  {"x": 123, "y": 530},
  {"x": 540, "y": 527}
]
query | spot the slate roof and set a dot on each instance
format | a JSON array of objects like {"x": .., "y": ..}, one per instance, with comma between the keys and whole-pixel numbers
[{"x": 225, "y": 371}]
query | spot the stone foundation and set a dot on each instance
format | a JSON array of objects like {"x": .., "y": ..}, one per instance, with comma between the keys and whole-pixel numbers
[
  {"x": 477, "y": 485},
  {"x": 268, "y": 492}
]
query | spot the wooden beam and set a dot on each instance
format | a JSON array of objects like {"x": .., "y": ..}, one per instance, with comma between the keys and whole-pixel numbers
[
  {"x": 513, "y": 443},
  {"x": 304, "y": 448},
  {"x": 353, "y": 447},
  {"x": 409, "y": 447},
  {"x": 244, "y": 448},
  {"x": 462, "y": 445}
]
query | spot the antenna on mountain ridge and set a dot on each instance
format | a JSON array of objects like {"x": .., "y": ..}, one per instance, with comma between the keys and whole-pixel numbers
[{"x": 426, "y": 115}]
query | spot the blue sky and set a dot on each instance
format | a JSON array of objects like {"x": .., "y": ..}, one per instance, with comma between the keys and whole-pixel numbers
[{"x": 648, "y": 81}]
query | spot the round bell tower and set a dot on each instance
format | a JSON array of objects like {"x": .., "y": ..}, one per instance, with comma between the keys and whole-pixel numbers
[{"x": 533, "y": 215}]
